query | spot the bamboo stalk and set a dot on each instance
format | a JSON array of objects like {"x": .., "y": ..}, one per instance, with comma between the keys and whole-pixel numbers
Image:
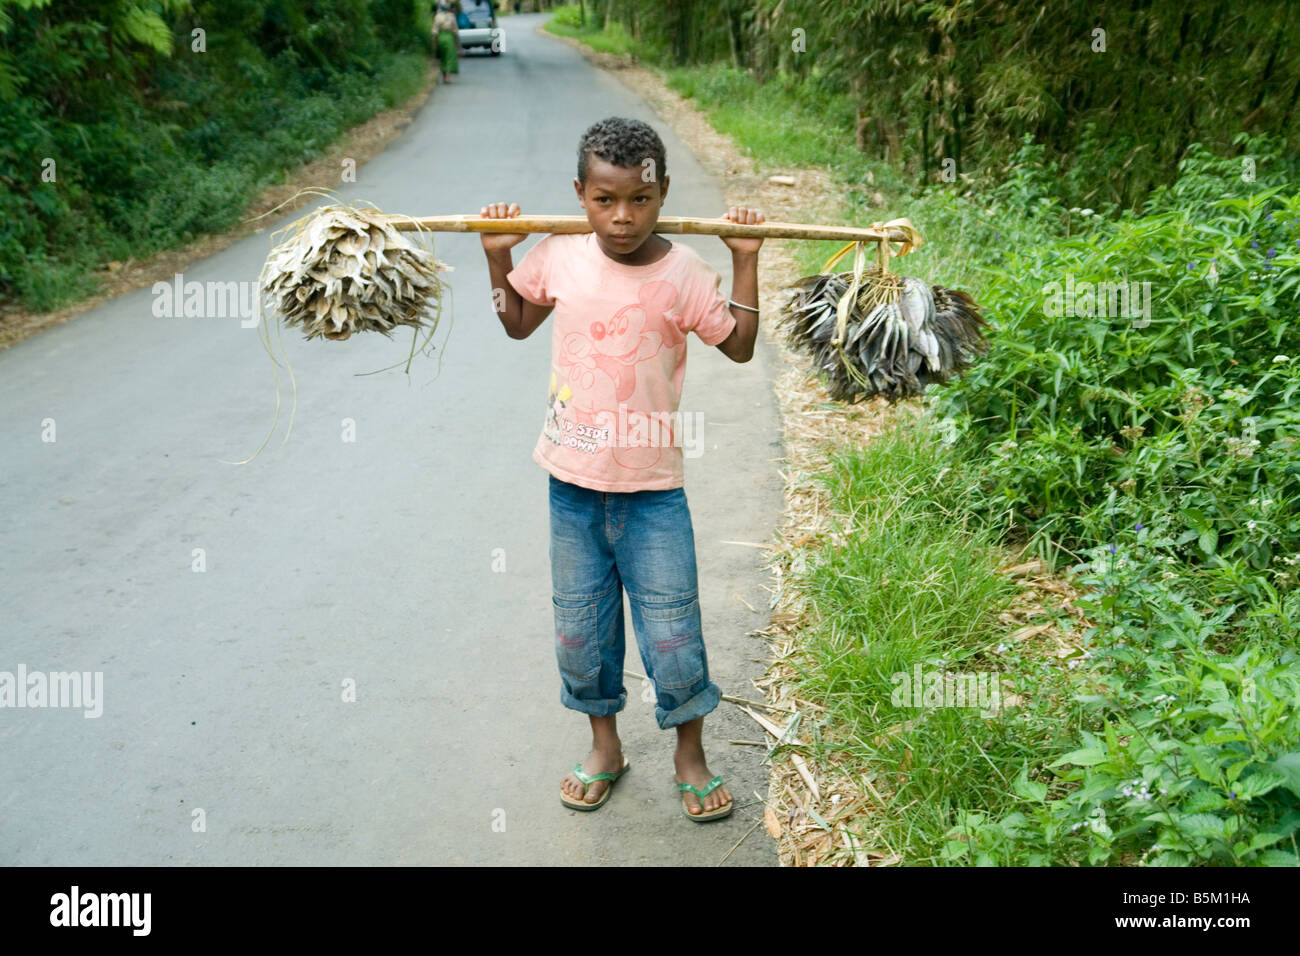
[
  {"x": 671, "y": 225},
  {"x": 728, "y": 697}
]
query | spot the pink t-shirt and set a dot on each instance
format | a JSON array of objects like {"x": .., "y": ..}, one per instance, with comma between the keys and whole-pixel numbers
[{"x": 618, "y": 358}]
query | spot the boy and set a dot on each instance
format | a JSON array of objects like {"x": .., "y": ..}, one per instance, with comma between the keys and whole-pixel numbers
[{"x": 625, "y": 299}]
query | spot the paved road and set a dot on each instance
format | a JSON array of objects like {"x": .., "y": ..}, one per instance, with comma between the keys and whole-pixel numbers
[{"x": 370, "y": 561}]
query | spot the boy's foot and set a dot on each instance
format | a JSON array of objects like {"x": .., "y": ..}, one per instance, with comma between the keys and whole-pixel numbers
[
  {"x": 598, "y": 761},
  {"x": 692, "y": 768}
]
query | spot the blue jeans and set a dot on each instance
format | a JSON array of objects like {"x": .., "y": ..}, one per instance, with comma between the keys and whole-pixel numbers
[{"x": 601, "y": 543}]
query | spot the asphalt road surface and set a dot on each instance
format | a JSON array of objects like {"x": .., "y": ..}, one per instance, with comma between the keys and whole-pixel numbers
[{"x": 411, "y": 563}]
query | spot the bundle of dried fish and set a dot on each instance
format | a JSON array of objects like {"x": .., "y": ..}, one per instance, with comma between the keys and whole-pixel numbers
[
  {"x": 345, "y": 269},
  {"x": 899, "y": 334}
]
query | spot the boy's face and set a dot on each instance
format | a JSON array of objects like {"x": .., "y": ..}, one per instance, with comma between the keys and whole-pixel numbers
[{"x": 622, "y": 204}]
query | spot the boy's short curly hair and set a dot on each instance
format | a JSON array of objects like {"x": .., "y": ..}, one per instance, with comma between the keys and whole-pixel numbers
[{"x": 623, "y": 142}]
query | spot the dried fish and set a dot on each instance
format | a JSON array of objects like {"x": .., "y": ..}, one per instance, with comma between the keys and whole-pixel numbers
[{"x": 901, "y": 333}]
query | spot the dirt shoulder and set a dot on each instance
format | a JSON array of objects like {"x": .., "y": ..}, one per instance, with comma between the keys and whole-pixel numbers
[{"x": 361, "y": 143}]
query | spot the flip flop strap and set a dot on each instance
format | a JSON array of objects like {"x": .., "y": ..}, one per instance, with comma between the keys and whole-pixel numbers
[
  {"x": 590, "y": 778},
  {"x": 713, "y": 785}
]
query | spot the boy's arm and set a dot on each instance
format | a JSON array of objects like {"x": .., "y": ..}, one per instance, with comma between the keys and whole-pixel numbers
[
  {"x": 518, "y": 316},
  {"x": 739, "y": 345}
]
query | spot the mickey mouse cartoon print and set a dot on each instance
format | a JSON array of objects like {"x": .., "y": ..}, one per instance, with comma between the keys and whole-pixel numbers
[
  {"x": 618, "y": 358},
  {"x": 601, "y": 363}
]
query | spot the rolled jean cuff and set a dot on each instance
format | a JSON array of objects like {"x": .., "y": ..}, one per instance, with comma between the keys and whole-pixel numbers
[
  {"x": 705, "y": 702},
  {"x": 593, "y": 708}
]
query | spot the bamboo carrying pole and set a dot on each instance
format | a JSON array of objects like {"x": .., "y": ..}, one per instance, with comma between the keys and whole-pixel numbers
[
  {"x": 344, "y": 269},
  {"x": 898, "y": 230}
]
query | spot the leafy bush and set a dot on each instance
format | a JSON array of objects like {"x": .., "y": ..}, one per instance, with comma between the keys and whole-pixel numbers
[
  {"x": 1090, "y": 422},
  {"x": 1195, "y": 758},
  {"x": 1163, "y": 446},
  {"x": 152, "y": 144},
  {"x": 567, "y": 16}
]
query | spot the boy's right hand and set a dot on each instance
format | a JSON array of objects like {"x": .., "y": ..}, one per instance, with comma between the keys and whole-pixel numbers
[{"x": 495, "y": 241}]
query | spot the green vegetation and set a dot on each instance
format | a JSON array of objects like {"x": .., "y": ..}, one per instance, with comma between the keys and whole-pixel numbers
[
  {"x": 1115, "y": 92},
  {"x": 1160, "y": 464},
  {"x": 915, "y": 583},
  {"x": 568, "y": 21},
  {"x": 119, "y": 138},
  {"x": 1160, "y": 451},
  {"x": 1150, "y": 454}
]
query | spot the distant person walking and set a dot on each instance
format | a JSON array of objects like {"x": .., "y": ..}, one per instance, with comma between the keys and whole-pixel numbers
[{"x": 446, "y": 34}]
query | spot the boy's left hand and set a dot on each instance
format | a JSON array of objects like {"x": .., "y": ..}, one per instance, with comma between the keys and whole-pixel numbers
[{"x": 749, "y": 217}]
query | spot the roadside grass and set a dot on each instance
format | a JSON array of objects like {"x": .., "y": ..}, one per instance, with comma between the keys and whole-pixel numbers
[
  {"x": 778, "y": 122},
  {"x": 909, "y": 578},
  {"x": 565, "y": 23}
]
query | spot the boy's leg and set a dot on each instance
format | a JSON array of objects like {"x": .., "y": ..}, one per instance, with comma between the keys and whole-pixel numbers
[
  {"x": 606, "y": 757},
  {"x": 692, "y": 768},
  {"x": 587, "y": 601},
  {"x": 654, "y": 546}
]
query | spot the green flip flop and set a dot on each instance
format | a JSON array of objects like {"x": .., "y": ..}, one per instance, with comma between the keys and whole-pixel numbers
[
  {"x": 588, "y": 779},
  {"x": 718, "y": 814}
]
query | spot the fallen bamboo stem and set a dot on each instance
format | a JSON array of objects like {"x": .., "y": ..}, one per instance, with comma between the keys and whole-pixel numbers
[
  {"x": 671, "y": 225},
  {"x": 875, "y": 793},
  {"x": 777, "y": 732},
  {"x": 801, "y": 765},
  {"x": 726, "y": 697},
  {"x": 755, "y": 703},
  {"x": 740, "y": 841}
]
